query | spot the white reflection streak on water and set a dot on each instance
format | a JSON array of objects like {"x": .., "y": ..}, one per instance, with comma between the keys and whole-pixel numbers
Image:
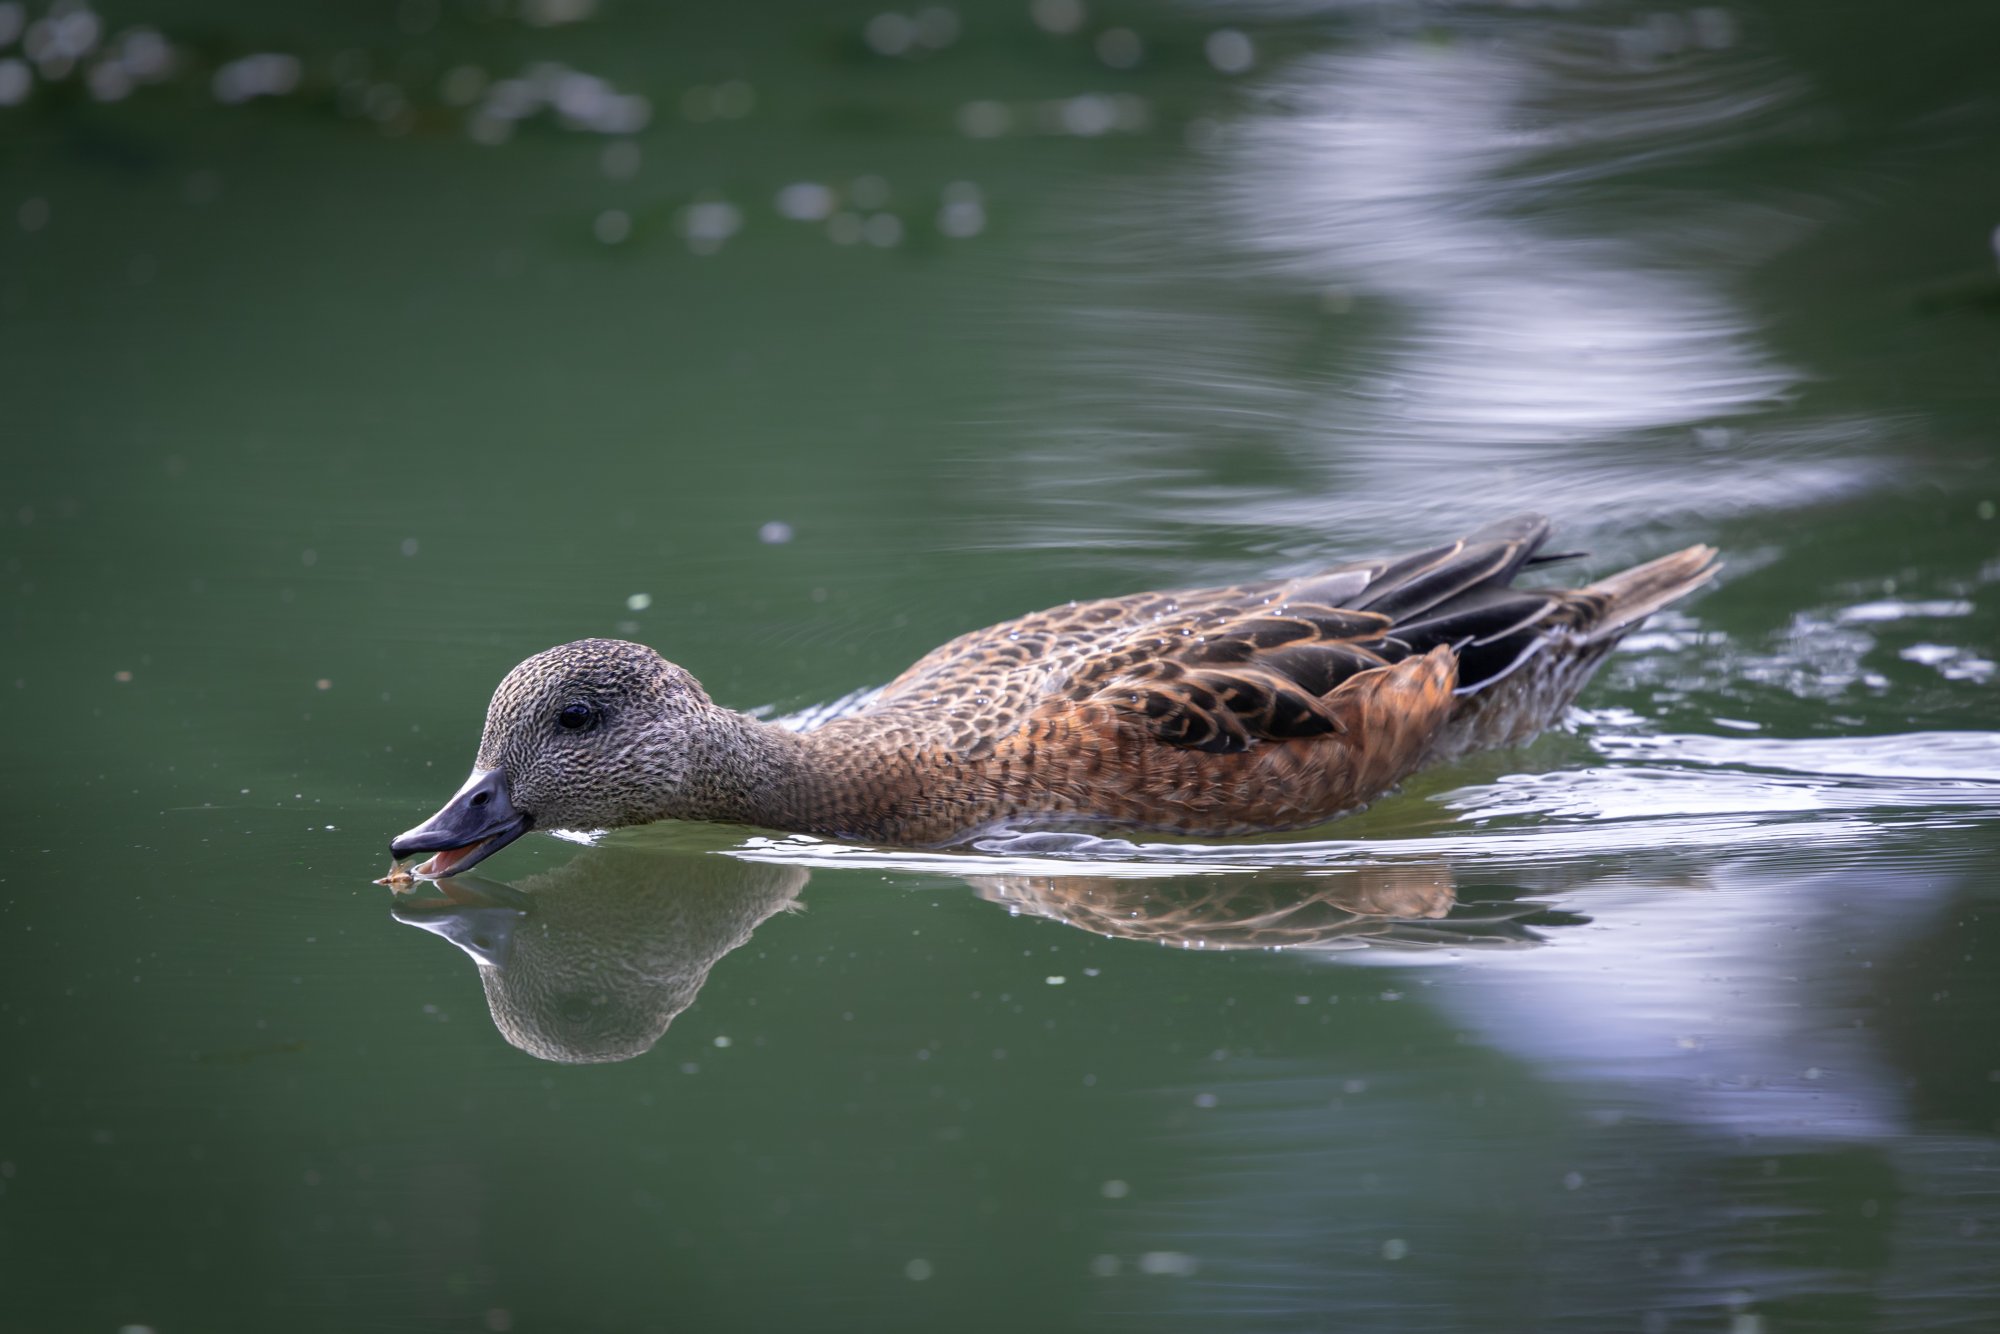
[
  {"x": 1668, "y": 1014},
  {"x": 1392, "y": 171},
  {"x": 1530, "y": 331},
  {"x": 1687, "y": 1040}
]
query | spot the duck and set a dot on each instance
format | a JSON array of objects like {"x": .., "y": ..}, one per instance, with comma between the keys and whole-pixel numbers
[{"x": 1215, "y": 712}]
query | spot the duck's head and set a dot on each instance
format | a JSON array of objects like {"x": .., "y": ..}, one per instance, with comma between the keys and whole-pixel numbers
[{"x": 588, "y": 735}]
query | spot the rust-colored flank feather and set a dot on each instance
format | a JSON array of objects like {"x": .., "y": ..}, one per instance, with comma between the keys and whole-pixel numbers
[{"x": 1215, "y": 711}]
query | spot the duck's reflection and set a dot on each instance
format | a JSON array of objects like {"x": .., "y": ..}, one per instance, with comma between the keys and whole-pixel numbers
[
  {"x": 592, "y": 961},
  {"x": 1412, "y": 906}
]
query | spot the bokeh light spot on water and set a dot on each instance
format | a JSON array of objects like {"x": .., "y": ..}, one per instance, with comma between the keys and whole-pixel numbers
[
  {"x": 264, "y": 74},
  {"x": 577, "y": 101},
  {"x": 146, "y": 55},
  {"x": 1120, "y": 48},
  {"x": 108, "y": 81},
  {"x": 706, "y": 224},
  {"x": 882, "y": 230},
  {"x": 16, "y": 81},
  {"x": 61, "y": 38},
  {"x": 775, "y": 533},
  {"x": 1168, "y": 1264},
  {"x": 1088, "y": 115},
  {"x": 733, "y": 99},
  {"x": 890, "y": 33},
  {"x": 984, "y": 119},
  {"x": 639, "y": 601},
  {"x": 963, "y": 212},
  {"x": 917, "y": 1270},
  {"x": 1230, "y": 51},
  {"x": 1060, "y": 17},
  {"x": 613, "y": 226},
  {"x": 1093, "y": 115},
  {"x": 844, "y": 228},
  {"x": 805, "y": 201}
]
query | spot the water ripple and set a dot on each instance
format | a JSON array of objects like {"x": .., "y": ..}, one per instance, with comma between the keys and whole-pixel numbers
[
  {"x": 1445, "y": 267},
  {"x": 1736, "y": 794}
]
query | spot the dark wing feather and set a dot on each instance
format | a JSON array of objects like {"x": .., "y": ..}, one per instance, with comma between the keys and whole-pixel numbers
[
  {"x": 1416, "y": 584},
  {"x": 1481, "y": 617},
  {"x": 1263, "y": 670}
]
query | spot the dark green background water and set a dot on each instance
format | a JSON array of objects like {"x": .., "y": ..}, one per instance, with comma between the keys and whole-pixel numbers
[{"x": 319, "y": 414}]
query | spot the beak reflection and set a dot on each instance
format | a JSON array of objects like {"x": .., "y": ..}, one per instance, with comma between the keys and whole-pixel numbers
[{"x": 590, "y": 962}]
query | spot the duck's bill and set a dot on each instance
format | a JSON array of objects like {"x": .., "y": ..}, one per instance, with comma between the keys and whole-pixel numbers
[
  {"x": 456, "y": 861},
  {"x": 476, "y": 823}
]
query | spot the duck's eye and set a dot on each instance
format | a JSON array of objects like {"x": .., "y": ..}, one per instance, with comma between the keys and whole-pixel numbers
[{"x": 575, "y": 717}]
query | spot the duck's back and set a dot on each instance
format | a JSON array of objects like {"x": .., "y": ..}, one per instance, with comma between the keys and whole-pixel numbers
[{"x": 1227, "y": 710}]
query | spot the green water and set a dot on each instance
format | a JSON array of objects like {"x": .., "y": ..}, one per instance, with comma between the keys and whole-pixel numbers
[{"x": 320, "y": 414}]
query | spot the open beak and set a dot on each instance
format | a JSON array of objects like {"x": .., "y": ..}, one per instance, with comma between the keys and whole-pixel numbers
[{"x": 476, "y": 823}]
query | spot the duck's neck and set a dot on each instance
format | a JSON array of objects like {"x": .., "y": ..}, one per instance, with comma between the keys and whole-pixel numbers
[{"x": 740, "y": 771}]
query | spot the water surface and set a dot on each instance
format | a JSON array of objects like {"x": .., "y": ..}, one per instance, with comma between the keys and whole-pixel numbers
[{"x": 333, "y": 391}]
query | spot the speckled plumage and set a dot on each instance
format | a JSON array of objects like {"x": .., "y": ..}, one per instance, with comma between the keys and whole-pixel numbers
[{"x": 1214, "y": 711}]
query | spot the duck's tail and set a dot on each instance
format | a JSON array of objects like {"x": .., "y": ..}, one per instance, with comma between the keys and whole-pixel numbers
[
  {"x": 1545, "y": 676},
  {"x": 1616, "y": 605}
]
